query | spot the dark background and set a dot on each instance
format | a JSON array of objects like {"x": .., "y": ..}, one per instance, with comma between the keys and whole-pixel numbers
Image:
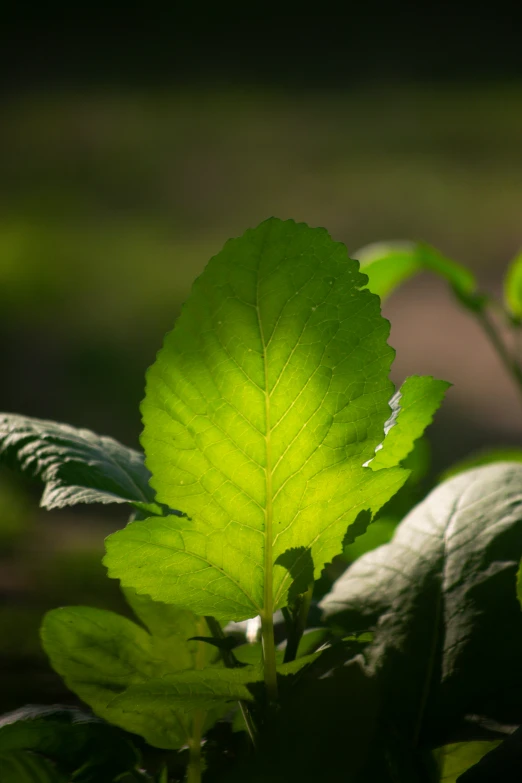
[{"x": 134, "y": 141}]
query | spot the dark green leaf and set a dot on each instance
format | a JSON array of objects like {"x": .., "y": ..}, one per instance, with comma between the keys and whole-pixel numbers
[
  {"x": 440, "y": 597},
  {"x": 76, "y": 465},
  {"x": 18, "y": 766},
  {"x": 70, "y": 738}
]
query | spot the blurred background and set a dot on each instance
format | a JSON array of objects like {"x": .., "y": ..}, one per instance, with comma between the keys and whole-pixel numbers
[{"x": 132, "y": 147}]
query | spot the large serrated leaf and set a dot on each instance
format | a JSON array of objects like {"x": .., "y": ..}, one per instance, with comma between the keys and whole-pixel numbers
[
  {"x": 76, "y": 465},
  {"x": 264, "y": 403},
  {"x": 440, "y": 597},
  {"x": 100, "y": 654}
]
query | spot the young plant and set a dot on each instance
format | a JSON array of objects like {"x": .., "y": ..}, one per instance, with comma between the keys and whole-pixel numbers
[{"x": 272, "y": 438}]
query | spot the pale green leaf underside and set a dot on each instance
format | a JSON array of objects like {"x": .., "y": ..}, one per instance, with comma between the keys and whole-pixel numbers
[
  {"x": 76, "y": 465},
  {"x": 264, "y": 403},
  {"x": 513, "y": 287},
  {"x": 388, "y": 264},
  {"x": 413, "y": 408},
  {"x": 457, "y": 758},
  {"x": 99, "y": 654}
]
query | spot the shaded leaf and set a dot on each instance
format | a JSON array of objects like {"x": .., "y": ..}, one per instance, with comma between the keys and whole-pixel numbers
[
  {"x": 388, "y": 264},
  {"x": 440, "y": 597},
  {"x": 76, "y": 465},
  {"x": 70, "y": 738},
  {"x": 18, "y": 766},
  {"x": 265, "y": 401},
  {"x": 100, "y": 654}
]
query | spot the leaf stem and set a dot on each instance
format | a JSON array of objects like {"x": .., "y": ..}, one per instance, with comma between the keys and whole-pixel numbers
[
  {"x": 269, "y": 657},
  {"x": 510, "y": 364},
  {"x": 194, "y": 765},
  {"x": 230, "y": 662}
]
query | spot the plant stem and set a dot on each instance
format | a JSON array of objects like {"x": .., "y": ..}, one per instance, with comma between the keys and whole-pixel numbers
[
  {"x": 194, "y": 765},
  {"x": 230, "y": 662},
  {"x": 511, "y": 365},
  {"x": 269, "y": 658}
]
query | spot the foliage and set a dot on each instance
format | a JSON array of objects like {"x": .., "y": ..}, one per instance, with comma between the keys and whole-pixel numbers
[{"x": 271, "y": 424}]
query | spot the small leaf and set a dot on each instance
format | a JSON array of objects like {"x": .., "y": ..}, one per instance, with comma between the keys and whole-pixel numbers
[
  {"x": 513, "y": 287},
  {"x": 388, "y": 264},
  {"x": 413, "y": 408},
  {"x": 76, "y": 466},
  {"x": 100, "y": 654},
  {"x": 503, "y": 762},
  {"x": 457, "y": 758},
  {"x": 70, "y": 738},
  {"x": 17, "y": 766},
  {"x": 439, "y": 598},
  {"x": 260, "y": 410}
]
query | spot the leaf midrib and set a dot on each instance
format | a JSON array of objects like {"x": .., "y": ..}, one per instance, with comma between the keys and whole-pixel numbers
[{"x": 268, "y": 601}]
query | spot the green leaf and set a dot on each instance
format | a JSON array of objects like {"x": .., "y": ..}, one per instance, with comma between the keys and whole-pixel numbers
[
  {"x": 413, "y": 408},
  {"x": 440, "y": 597},
  {"x": 76, "y": 466},
  {"x": 502, "y": 761},
  {"x": 264, "y": 403},
  {"x": 456, "y": 758},
  {"x": 485, "y": 457},
  {"x": 388, "y": 264},
  {"x": 513, "y": 287},
  {"x": 100, "y": 654},
  {"x": 21, "y": 767},
  {"x": 188, "y": 691},
  {"x": 70, "y": 738}
]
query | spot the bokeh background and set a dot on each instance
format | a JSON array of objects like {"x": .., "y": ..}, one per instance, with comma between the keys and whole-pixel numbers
[{"x": 132, "y": 147}]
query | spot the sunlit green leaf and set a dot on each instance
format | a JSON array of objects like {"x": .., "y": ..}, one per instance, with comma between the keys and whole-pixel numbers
[
  {"x": 413, "y": 408},
  {"x": 388, "y": 264},
  {"x": 265, "y": 401},
  {"x": 456, "y": 758},
  {"x": 77, "y": 466}
]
